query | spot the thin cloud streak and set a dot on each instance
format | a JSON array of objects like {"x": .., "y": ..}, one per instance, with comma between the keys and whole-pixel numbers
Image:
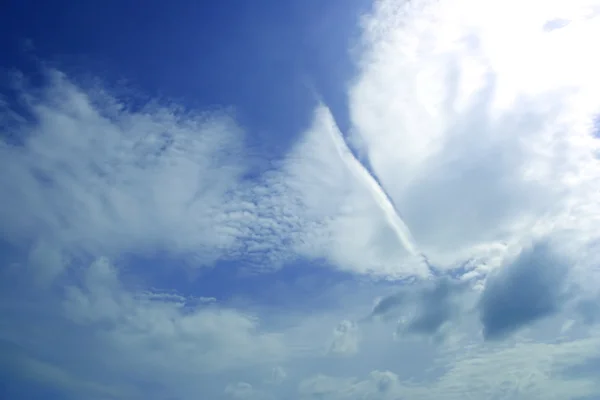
[{"x": 362, "y": 175}]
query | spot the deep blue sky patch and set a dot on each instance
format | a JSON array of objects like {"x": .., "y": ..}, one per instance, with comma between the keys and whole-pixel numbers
[{"x": 269, "y": 60}]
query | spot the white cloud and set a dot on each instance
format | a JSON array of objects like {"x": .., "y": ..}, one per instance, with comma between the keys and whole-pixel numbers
[
  {"x": 477, "y": 121},
  {"x": 349, "y": 219},
  {"x": 92, "y": 179},
  {"x": 97, "y": 178}
]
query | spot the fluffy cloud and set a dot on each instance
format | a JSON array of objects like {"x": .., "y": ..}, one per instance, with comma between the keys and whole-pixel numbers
[
  {"x": 87, "y": 175},
  {"x": 480, "y": 133}
]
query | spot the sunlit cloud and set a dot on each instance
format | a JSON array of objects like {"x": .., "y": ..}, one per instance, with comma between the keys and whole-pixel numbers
[{"x": 477, "y": 120}]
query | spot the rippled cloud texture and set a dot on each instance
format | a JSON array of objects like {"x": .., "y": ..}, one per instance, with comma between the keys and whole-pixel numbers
[{"x": 458, "y": 218}]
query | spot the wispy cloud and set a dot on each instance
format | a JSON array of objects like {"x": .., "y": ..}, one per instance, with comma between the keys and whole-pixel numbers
[{"x": 97, "y": 178}]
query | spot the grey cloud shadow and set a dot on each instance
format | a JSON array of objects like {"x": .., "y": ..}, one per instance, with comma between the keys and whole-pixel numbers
[
  {"x": 436, "y": 307},
  {"x": 531, "y": 287},
  {"x": 589, "y": 310},
  {"x": 434, "y": 303}
]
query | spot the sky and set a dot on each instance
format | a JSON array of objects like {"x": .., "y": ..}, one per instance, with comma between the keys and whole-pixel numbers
[{"x": 300, "y": 199}]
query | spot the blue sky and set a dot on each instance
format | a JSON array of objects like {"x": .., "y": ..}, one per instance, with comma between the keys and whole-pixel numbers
[
  {"x": 203, "y": 54},
  {"x": 299, "y": 199}
]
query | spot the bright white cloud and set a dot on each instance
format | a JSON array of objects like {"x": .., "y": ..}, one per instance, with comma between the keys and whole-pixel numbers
[
  {"x": 476, "y": 118},
  {"x": 349, "y": 219}
]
